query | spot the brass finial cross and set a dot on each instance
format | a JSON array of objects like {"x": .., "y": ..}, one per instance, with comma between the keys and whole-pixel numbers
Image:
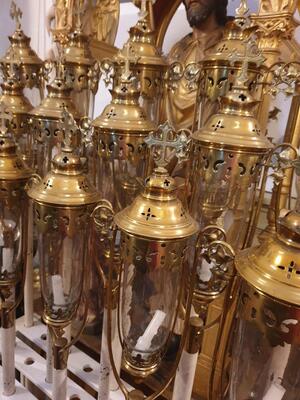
[
  {"x": 162, "y": 141},
  {"x": 252, "y": 54},
  {"x": 4, "y": 116},
  {"x": 68, "y": 127},
  {"x": 16, "y": 14},
  {"x": 129, "y": 57}
]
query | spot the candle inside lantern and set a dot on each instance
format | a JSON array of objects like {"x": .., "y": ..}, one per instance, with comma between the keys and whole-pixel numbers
[
  {"x": 144, "y": 342},
  {"x": 58, "y": 291},
  {"x": 275, "y": 392}
]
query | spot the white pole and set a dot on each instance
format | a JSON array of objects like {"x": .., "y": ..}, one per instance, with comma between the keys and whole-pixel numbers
[
  {"x": 8, "y": 360},
  {"x": 49, "y": 361},
  {"x": 59, "y": 384},
  {"x": 28, "y": 288}
]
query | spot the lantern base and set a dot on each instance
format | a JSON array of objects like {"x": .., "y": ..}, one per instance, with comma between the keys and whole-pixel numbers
[{"x": 139, "y": 372}]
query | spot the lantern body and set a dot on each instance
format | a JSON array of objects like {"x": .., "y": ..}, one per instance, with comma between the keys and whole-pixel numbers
[
  {"x": 224, "y": 182},
  {"x": 61, "y": 244},
  {"x": 46, "y": 121},
  {"x": 156, "y": 234},
  {"x": 83, "y": 72},
  {"x": 13, "y": 218},
  {"x": 150, "y": 65},
  {"x": 153, "y": 271},
  {"x": 13, "y": 212},
  {"x": 16, "y": 103},
  {"x": 119, "y": 133},
  {"x": 267, "y": 348},
  {"x": 63, "y": 202},
  {"x": 30, "y": 64}
]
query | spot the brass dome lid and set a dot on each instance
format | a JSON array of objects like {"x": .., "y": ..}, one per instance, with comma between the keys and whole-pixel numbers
[
  {"x": 157, "y": 213},
  {"x": 14, "y": 100},
  {"x": 234, "y": 126},
  {"x": 273, "y": 267},
  {"x": 20, "y": 49},
  {"x": 12, "y": 167},
  {"x": 20, "y": 43},
  {"x": 77, "y": 50},
  {"x": 58, "y": 98},
  {"x": 236, "y": 34},
  {"x": 66, "y": 184},
  {"x": 124, "y": 114},
  {"x": 142, "y": 41}
]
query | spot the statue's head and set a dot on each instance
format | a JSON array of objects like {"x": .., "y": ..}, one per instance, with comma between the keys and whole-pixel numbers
[{"x": 199, "y": 10}]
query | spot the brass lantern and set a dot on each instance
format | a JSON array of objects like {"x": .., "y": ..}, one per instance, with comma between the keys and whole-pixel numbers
[
  {"x": 45, "y": 118},
  {"x": 119, "y": 134},
  {"x": 219, "y": 69},
  {"x": 157, "y": 237},
  {"x": 63, "y": 201},
  {"x": 229, "y": 153},
  {"x": 14, "y": 175},
  {"x": 266, "y": 344},
  {"x": 30, "y": 64},
  {"x": 19, "y": 107},
  {"x": 82, "y": 68},
  {"x": 151, "y": 65}
]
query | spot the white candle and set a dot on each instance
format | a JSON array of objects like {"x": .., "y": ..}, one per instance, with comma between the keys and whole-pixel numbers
[
  {"x": 8, "y": 360},
  {"x": 275, "y": 392},
  {"x": 58, "y": 291},
  {"x": 144, "y": 342}
]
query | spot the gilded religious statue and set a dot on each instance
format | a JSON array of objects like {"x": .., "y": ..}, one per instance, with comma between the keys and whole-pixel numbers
[
  {"x": 207, "y": 18},
  {"x": 100, "y": 18}
]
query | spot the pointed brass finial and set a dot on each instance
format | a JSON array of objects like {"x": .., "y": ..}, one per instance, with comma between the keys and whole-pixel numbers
[
  {"x": 68, "y": 128},
  {"x": 16, "y": 14},
  {"x": 4, "y": 116},
  {"x": 164, "y": 139}
]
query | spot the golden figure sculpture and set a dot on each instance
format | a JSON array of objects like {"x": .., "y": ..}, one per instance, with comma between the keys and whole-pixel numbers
[
  {"x": 100, "y": 18},
  {"x": 207, "y": 19}
]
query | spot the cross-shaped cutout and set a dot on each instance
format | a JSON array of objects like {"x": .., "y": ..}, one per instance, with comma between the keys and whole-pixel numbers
[
  {"x": 148, "y": 215},
  {"x": 290, "y": 269},
  {"x": 65, "y": 159},
  {"x": 223, "y": 48},
  {"x": 256, "y": 130},
  {"x": 48, "y": 184},
  {"x": 124, "y": 89},
  {"x": 167, "y": 182},
  {"x": 2, "y": 142},
  {"x": 111, "y": 113},
  {"x": 242, "y": 97},
  {"x": 218, "y": 126}
]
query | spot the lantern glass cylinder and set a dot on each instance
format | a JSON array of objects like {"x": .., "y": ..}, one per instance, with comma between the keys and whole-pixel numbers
[
  {"x": 266, "y": 349},
  {"x": 151, "y": 286},
  {"x": 62, "y": 252},
  {"x": 10, "y": 237}
]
